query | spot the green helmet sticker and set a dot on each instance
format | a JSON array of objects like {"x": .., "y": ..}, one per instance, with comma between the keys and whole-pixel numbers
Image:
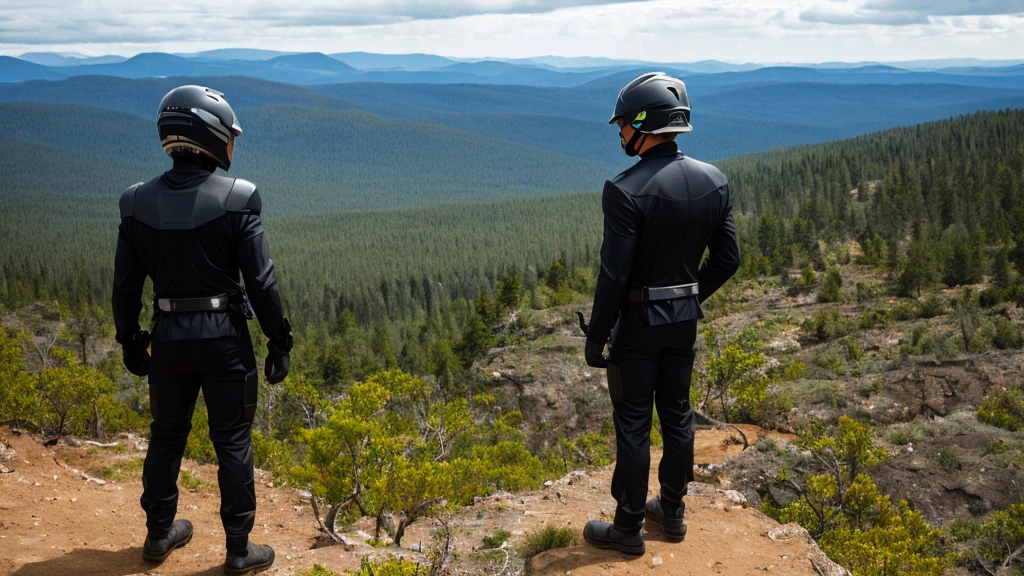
[{"x": 639, "y": 119}]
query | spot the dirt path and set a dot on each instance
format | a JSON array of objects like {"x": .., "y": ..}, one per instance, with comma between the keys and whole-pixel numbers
[{"x": 52, "y": 523}]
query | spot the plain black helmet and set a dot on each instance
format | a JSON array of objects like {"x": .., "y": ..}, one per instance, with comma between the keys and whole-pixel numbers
[
  {"x": 198, "y": 120},
  {"x": 654, "y": 103}
]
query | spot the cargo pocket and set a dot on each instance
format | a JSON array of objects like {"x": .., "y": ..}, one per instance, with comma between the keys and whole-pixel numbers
[
  {"x": 153, "y": 406},
  {"x": 249, "y": 394},
  {"x": 614, "y": 382}
]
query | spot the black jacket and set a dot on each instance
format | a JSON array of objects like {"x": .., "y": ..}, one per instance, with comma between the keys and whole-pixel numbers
[
  {"x": 192, "y": 232},
  {"x": 659, "y": 216}
]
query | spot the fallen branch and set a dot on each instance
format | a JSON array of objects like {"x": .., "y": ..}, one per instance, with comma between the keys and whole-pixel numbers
[
  {"x": 1009, "y": 559},
  {"x": 320, "y": 521},
  {"x": 720, "y": 424},
  {"x": 983, "y": 564},
  {"x": 77, "y": 442}
]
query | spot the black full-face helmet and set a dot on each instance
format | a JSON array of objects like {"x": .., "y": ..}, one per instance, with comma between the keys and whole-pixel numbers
[
  {"x": 198, "y": 120},
  {"x": 654, "y": 103}
]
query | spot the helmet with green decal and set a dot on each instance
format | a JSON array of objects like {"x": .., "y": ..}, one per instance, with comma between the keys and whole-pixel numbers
[{"x": 654, "y": 103}]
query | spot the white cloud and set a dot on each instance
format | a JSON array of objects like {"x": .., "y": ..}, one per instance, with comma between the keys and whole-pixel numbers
[{"x": 660, "y": 30}]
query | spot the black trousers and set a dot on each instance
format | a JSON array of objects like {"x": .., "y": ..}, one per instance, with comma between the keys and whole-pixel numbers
[
  {"x": 225, "y": 370},
  {"x": 650, "y": 366}
]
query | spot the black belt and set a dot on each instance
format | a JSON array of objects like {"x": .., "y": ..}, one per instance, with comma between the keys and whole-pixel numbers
[
  {"x": 217, "y": 303},
  {"x": 233, "y": 302},
  {"x": 648, "y": 294}
]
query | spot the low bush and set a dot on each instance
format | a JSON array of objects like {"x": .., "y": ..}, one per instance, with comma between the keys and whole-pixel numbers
[
  {"x": 1003, "y": 408},
  {"x": 828, "y": 325},
  {"x": 1007, "y": 336},
  {"x": 548, "y": 538},
  {"x": 496, "y": 539}
]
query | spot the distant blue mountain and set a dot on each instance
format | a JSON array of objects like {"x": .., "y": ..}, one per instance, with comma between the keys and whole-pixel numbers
[
  {"x": 393, "y": 62},
  {"x": 236, "y": 54},
  {"x": 15, "y": 70},
  {"x": 57, "y": 60},
  {"x": 874, "y": 74},
  {"x": 141, "y": 96},
  {"x": 150, "y": 65},
  {"x": 303, "y": 68}
]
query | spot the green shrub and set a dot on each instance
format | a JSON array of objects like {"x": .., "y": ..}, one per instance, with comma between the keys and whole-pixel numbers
[
  {"x": 496, "y": 539},
  {"x": 902, "y": 312},
  {"x": 831, "y": 362},
  {"x": 948, "y": 459},
  {"x": 868, "y": 292},
  {"x": 317, "y": 570},
  {"x": 903, "y": 436},
  {"x": 994, "y": 295},
  {"x": 277, "y": 456},
  {"x": 1007, "y": 336},
  {"x": 1003, "y": 408},
  {"x": 855, "y": 524},
  {"x": 828, "y": 325},
  {"x": 548, "y": 538},
  {"x": 767, "y": 444},
  {"x": 995, "y": 447},
  {"x": 189, "y": 480},
  {"x": 872, "y": 318},
  {"x": 854, "y": 353},
  {"x": 117, "y": 417},
  {"x": 876, "y": 387},
  {"x": 794, "y": 371},
  {"x": 123, "y": 469},
  {"x": 991, "y": 543},
  {"x": 808, "y": 277},
  {"x": 831, "y": 288},
  {"x": 392, "y": 566},
  {"x": 199, "y": 447},
  {"x": 930, "y": 308}
]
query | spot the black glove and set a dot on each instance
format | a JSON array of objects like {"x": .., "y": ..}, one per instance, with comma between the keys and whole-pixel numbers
[
  {"x": 594, "y": 353},
  {"x": 277, "y": 365},
  {"x": 135, "y": 353}
]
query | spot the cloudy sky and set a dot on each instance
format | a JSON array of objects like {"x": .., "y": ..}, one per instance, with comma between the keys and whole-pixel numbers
[{"x": 665, "y": 30}]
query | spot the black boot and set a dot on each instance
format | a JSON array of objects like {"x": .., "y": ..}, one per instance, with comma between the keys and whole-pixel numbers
[
  {"x": 671, "y": 522},
  {"x": 256, "y": 558},
  {"x": 608, "y": 536},
  {"x": 158, "y": 549}
]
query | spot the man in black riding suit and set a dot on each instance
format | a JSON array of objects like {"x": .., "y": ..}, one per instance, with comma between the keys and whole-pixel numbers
[
  {"x": 193, "y": 232},
  {"x": 659, "y": 217}
]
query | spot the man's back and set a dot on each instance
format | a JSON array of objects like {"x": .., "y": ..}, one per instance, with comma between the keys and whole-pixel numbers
[
  {"x": 192, "y": 232},
  {"x": 680, "y": 204}
]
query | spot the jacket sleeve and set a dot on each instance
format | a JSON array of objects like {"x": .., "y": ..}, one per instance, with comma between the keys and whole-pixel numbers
[
  {"x": 258, "y": 273},
  {"x": 723, "y": 254},
  {"x": 621, "y": 230},
  {"x": 129, "y": 278}
]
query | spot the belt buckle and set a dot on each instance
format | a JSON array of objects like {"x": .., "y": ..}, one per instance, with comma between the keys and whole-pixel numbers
[
  {"x": 164, "y": 305},
  {"x": 215, "y": 303}
]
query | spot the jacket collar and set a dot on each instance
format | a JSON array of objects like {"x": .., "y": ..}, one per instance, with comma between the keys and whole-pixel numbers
[{"x": 663, "y": 149}]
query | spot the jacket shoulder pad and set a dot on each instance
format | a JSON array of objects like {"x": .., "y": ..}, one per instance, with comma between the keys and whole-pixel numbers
[
  {"x": 244, "y": 198},
  {"x": 127, "y": 202}
]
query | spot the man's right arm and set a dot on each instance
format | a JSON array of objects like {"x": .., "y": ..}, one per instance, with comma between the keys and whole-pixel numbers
[{"x": 723, "y": 253}]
